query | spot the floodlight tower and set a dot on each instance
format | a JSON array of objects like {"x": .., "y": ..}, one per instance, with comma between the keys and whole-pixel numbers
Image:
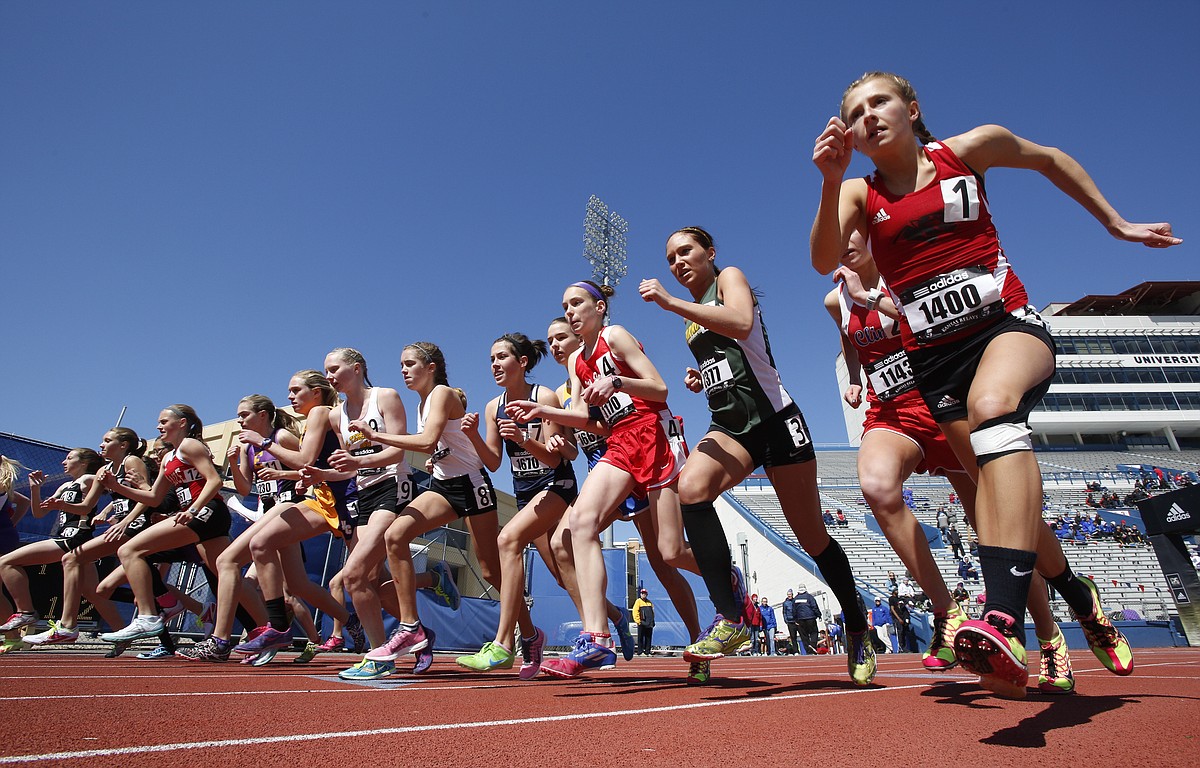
[{"x": 604, "y": 242}]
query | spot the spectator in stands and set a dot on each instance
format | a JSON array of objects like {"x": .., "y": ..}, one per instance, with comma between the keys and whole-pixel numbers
[
  {"x": 643, "y": 614},
  {"x": 828, "y": 518},
  {"x": 789, "y": 620},
  {"x": 961, "y": 595},
  {"x": 824, "y": 643},
  {"x": 1090, "y": 500},
  {"x": 1158, "y": 476},
  {"x": 966, "y": 570},
  {"x": 943, "y": 524},
  {"x": 806, "y": 613},
  {"x": 907, "y": 589},
  {"x": 754, "y": 619},
  {"x": 769, "y": 625},
  {"x": 841, "y": 519},
  {"x": 956, "y": 545},
  {"x": 899, "y": 625},
  {"x": 835, "y": 634},
  {"x": 881, "y": 621},
  {"x": 892, "y": 583}
]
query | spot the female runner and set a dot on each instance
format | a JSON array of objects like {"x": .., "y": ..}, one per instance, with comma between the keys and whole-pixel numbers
[
  {"x": 329, "y": 507},
  {"x": 563, "y": 343},
  {"x": 13, "y": 507},
  {"x": 75, "y": 503},
  {"x": 610, "y": 371},
  {"x": 460, "y": 488},
  {"x": 543, "y": 484},
  {"x": 899, "y": 438},
  {"x": 256, "y": 470},
  {"x": 981, "y": 354},
  {"x": 754, "y": 423},
  {"x": 385, "y": 487},
  {"x": 202, "y": 519},
  {"x": 122, "y": 451}
]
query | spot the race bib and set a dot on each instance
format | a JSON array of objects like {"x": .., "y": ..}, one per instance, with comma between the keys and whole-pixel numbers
[
  {"x": 121, "y": 506},
  {"x": 951, "y": 302},
  {"x": 588, "y": 441},
  {"x": 891, "y": 376},
  {"x": 960, "y": 199},
  {"x": 799, "y": 431},
  {"x": 266, "y": 487},
  {"x": 368, "y": 471},
  {"x": 673, "y": 429},
  {"x": 526, "y": 465},
  {"x": 618, "y": 407},
  {"x": 184, "y": 494},
  {"x": 716, "y": 374},
  {"x": 405, "y": 491}
]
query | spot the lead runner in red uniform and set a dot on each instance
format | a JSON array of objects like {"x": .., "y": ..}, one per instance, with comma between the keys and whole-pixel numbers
[{"x": 982, "y": 357}]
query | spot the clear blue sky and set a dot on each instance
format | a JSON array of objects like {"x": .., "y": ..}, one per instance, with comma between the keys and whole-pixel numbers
[{"x": 198, "y": 199}]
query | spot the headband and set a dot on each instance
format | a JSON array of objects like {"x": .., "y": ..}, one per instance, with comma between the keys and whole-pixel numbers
[{"x": 588, "y": 287}]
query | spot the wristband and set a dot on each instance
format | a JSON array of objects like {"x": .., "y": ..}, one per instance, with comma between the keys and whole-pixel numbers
[{"x": 873, "y": 297}]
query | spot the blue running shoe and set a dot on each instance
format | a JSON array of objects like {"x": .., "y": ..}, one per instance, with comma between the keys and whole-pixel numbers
[
  {"x": 445, "y": 591},
  {"x": 270, "y": 639},
  {"x": 368, "y": 670},
  {"x": 160, "y": 652},
  {"x": 628, "y": 648},
  {"x": 585, "y": 655}
]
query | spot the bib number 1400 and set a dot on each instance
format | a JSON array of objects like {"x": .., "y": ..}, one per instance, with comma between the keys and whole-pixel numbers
[{"x": 950, "y": 303}]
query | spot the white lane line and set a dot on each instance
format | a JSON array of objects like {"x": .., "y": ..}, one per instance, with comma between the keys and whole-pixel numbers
[{"x": 8, "y": 759}]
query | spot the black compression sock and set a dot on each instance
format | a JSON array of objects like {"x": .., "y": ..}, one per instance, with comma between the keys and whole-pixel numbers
[
  {"x": 711, "y": 549},
  {"x": 277, "y": 614},
  {"x": 156, "y": 582},
  {"x": 835, "y": 569},
  {"x": 1075, "y": 592},
  {"x": 1007, "y": 574}
]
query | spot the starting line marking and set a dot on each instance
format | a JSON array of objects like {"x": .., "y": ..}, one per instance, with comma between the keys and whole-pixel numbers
[{"x": 217, "y": 743}]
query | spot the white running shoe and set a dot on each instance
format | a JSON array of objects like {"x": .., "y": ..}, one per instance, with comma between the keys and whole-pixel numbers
[
  {"x": 141, "y": 628},
  {"x": 56, "y": 635}
]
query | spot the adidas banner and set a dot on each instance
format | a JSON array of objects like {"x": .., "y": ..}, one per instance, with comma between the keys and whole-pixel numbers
[{"x": 1174, "y": 512}]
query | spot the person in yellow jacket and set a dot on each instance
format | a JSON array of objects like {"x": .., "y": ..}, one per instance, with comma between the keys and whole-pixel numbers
[{"x": 643, "y": 614}]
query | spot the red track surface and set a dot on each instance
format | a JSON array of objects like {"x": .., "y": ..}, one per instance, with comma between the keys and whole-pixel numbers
[{"x": 75, "y": 709}]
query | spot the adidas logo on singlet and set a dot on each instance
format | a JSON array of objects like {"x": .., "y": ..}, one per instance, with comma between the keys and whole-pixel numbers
[
  {"x": 1178, "y": 514},
  {"x": 880, "y": 217}
]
